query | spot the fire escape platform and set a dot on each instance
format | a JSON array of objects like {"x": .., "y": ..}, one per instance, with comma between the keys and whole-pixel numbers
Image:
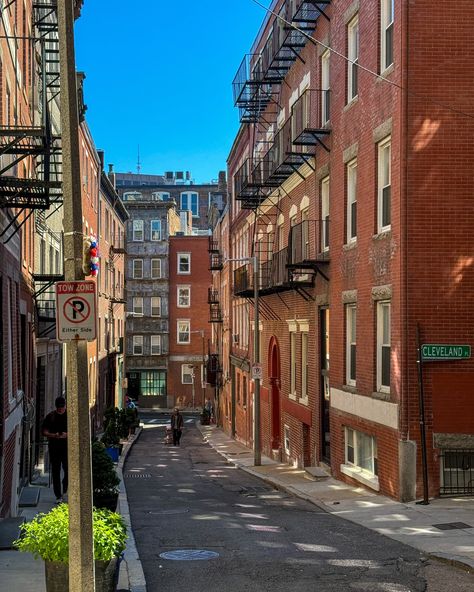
[{"x": 28, "y": 193}]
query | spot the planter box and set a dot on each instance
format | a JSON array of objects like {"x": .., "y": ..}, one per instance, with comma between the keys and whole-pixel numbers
[
  {"x": 57, "y": 576},
  {"x": 113, "y": 452}
]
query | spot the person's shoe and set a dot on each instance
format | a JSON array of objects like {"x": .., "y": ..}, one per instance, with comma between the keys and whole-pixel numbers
[
  {"x": 59, "y": 500},
  {"x": 64, "y": 498}
]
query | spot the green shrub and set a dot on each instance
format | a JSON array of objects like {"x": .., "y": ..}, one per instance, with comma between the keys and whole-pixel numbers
[
  {"x": 104, "y": 478},
  {"x": 47, "y": 535}
]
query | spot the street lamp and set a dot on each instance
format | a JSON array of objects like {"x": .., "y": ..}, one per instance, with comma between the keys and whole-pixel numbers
[{"x": 256, "y": 354}]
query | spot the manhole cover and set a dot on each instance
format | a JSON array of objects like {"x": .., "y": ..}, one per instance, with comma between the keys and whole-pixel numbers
[
  {"x": 451, "y": 526},
  {"x": 137, "y": 476},
  {"x": 256, "y": 489},
  {"x": 168, "y": 512},
  {"x": 189, "y": 555}
]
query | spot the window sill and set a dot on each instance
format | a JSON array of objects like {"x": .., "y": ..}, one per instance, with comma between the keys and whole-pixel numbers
[
  {"x": 350, "y": 245},
  {"x": 386, "y": 72},
  {"x": 382, "y": 395},
  {"x": 292, "y": 397},
  {"x": 304, "y": 401},
  {"x": 351, "y": 103},
  {"x": 362, "y": 476},
  {"x": 349, "y": 388},
  {"x": 383, "y": 234}
]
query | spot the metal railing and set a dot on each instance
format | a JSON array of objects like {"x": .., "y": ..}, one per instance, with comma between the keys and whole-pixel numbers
[
  {"x": 212, "y": 296},
  {"x": 308, "y": 242},
  {"x": 215, "y": 314},
  {"x": 457, "y": 472},
  {"x": 309, "y": 115},
  {"x": 216, "y": 262}
]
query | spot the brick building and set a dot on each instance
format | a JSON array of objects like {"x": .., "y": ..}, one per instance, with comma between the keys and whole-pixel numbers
[
  {"x": 347, "y": 152},
  {"x": 189, "y": 332}
]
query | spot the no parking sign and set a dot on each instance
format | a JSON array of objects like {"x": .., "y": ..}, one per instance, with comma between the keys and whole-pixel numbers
[{"x": 76, "y": 311}]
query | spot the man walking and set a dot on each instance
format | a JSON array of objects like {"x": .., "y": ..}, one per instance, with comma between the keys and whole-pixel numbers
[
  {"x": 55, "y": 429},
  {"x": 177, "y": 426}
]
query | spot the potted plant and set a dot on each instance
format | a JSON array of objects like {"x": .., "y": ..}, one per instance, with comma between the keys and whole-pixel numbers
[
  {"x": 111, "y": 437},
  {"x": 47, "y": 537},
  {"x": 131, "y": 420},
  {"x": 104, "y": 478}
]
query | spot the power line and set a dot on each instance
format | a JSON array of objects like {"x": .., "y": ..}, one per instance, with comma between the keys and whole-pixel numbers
[{"x": 364, "y": 68}]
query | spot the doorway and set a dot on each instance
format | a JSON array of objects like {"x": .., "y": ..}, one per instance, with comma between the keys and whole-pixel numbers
[
  {"x": 274, "y": 377},
  {"x": 324, "y": 385}
]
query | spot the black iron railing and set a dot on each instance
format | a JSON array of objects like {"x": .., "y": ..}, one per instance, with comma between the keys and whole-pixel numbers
[
  {"x": 308, "y": 243},
  {"x": 212, "y": 296},
  {"x": 457, "y": 472},
  {"x": 216, "y": 262},
  {"x": 215, "y": 313},
  {"x": 308, "y": 118}
]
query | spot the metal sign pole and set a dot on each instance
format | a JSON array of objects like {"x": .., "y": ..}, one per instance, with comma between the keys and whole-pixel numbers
[{"x": 421, "y": 399}]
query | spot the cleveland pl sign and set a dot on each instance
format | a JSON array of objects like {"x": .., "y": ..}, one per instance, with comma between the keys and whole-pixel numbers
[{"x": 443, "y": 351}]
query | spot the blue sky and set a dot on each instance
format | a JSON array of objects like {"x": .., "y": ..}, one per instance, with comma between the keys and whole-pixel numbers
[{"x": 159, "y": 75}]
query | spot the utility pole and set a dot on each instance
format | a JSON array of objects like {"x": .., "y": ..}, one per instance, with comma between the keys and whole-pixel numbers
[
  {"x": 81, "y": 547},
  {"x": 256, "y": 357}
]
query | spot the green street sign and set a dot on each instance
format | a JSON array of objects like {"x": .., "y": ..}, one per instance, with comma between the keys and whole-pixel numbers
[{"x": 439, "y": 351}]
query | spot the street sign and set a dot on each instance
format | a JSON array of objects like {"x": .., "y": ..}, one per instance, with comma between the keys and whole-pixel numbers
[
  {"x": 76, "y": 311},
  {"x": 256, "y": 371},
  {"x": 439, "y": 352}
]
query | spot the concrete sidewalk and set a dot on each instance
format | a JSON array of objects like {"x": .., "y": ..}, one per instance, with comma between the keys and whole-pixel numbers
[{"x": 443, "y": 529}]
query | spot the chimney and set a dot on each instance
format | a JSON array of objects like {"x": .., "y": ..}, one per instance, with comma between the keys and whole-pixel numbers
[
  {"x": 111, "y": 175},
  {"x": 222, "y": 183},
  {"x": 100, "y": 154}
]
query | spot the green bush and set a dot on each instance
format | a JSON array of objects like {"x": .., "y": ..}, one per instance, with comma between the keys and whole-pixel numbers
[
  {"x": 47, "y": 535},
  {"x": 104, "y": 478}
]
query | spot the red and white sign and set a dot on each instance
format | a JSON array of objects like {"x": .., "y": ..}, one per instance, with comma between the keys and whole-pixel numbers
[{"x": 76, "y": 311}]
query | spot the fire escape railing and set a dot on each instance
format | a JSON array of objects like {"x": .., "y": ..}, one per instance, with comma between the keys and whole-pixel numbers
[
  {"x": 308, "y": 244},
  {"x": 310, "y": 117}
]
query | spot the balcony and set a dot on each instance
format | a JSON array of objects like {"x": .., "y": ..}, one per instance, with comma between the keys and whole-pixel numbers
[
  {"x": 212, "y": 296},
  {"x": 251, "y": 94},
  {"x": 308, "y": 244},
  {"x": 310, "y": 118},
  {"x": 216, "y": 262},
  {"x": 243, "y": 281},
  {"x": 213, "y": 246},
  {"x": 213, "y": 370},
  {"x": 117, "y": 244},
  {"x": 215, "y": 314}
]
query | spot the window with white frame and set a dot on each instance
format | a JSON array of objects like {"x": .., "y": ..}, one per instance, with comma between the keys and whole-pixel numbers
[
  {"x": 351, "y": 343},
  {"x": 155, "y": 230},
  {"x": 155, "y": 269},
  {"x": 138, "y": 230},
  {"x": 384, "y": 185},
  {"x": 184, "y": 263},
  {"x": 138, "y": 305},
  {"x": 325, "y": 88},
  {"x": 138, "y": 269},
  {"x": 184, "y": 296},
  {"x": 286, "y": 439},
  {"x": 160, "y": 196},
  {"x": 361, "y": 451},
  {"x": 190, "y": 201},
  {"x": 351, "y": 201},
  {"x": 353, "y": 55},
  {"x": 187, "y": 373},
  {"x": 292, "y": 364},
  {"x": 156, "y": 306},
  {"x": 386, "y": 33},
  {"x": 138, "y": 345},
  {"x": 304, "y": 365},
  {"x": 325, "y": 214},
  {"x": 156, "y": 345},
  {"x": 383, "y": 346},
  {"x": 184, "y": 331}
]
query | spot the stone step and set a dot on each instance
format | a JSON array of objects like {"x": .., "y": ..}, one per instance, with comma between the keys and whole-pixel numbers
[{"x": 316, "y": 474}]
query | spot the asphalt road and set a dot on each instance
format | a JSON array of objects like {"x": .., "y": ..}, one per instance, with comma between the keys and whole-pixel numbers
[{"x": 190, "y": 499}]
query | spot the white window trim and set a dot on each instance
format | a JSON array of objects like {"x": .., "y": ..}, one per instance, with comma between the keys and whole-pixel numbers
[
  {"x": 380, "y": 187},
  {"x": 151, "y": 304},
  {"x": 350, "y": 309},
  {"x": 186, "y": 371},
  {"x": 152, "y": 231},
  {"x": 188, "y": 255},
  {"x": 286, "y": 439},
  {"x": 380, "y": 308},
  {"x": 351, "y": 198},
  {"x": 304, "y": 367},
  {"x": 325, "y": 85},
  {"x": 178, "y": 288},
  {"x": 293, "y": 365},
  {"x": 189, "y": 195},
  {"x": 384, "y": 25},
  {"x": 188, "y": 321},
  {"x": 135, "y": 231},
  {"x": 136, "y": 277},
  {"x": 325, "y": 189},
  {"x": 155, "y": 277},
  {"x": 353, "y": 469},
  {"x": 157, "y": 340},
  {"x": 136, "y": 299},
  {"x": 137, "y": 342},
  {"x": 353, "y": 58}
]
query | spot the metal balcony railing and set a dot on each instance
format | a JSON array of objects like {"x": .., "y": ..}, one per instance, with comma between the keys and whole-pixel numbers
[
  {"x": 308, "y": 244},
  {"x": 309, "y": 118},
  {"x": 215, "y": 314},
  {"x": 213, "y": 245},
  {"x": 280, "y": 274},
  {"x": 243, "y": 280},
  {"x": 216, "y": 262},
  {"x": 212, "y": 296}
]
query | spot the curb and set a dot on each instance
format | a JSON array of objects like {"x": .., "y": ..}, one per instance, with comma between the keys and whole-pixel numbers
[{"x": 131, "y": 569}]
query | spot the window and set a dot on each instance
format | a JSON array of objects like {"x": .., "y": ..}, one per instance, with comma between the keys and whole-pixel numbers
[
  {"x": 160, "y": 196},
  {"x": 155, "y": 345},
  {"x": 184, "y": 263},
  {"x": 187, "y": 374},
  {"x": 351, "y": 323},
  {"x": 304, "y": 365},
  {"x": 155, "y": 269},
  {"x": 184, "y": 296},
  {"x": 138, "y": 230},
  {"x": 190, "y": 201},
  {"x": 156, "y": 306},
  {"x": 325, "y": 214},
  {"x": 361, "y": 451},
  {"x": 184, "y": 331},
  {"x": 384, "y": 186},
  {"x": 286, "y": 439},
  {"x": 351, "y": 201},
  {"x": 325, "y": 86},
  {"x": 386, "y": 34},
  {"x": 353, "y": 55},
  {"x": 383, "y": 346},
  {"x": 244, "y": 391},
  {"x": 147, "y": 383},
  {"x": 138, "y": 269},
  {"x": 138, "y": 305},
  {"x": 156, "y": 230},
  {"x": 138, "y": 345},
  {"x": 292, "y": 364}
]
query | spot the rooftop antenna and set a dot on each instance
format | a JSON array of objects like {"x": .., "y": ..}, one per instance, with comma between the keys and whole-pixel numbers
[{"x": 139, "y": 167}]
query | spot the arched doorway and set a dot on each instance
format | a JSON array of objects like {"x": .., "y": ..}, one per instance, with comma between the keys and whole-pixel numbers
[{"x": 274, "y": 379}]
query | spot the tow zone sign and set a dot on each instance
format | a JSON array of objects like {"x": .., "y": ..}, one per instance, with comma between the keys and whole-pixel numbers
[{"x": 76, "y": 311}]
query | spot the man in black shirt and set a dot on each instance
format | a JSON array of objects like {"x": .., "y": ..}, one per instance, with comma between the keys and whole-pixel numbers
[{"x": 55, "y": 429}]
